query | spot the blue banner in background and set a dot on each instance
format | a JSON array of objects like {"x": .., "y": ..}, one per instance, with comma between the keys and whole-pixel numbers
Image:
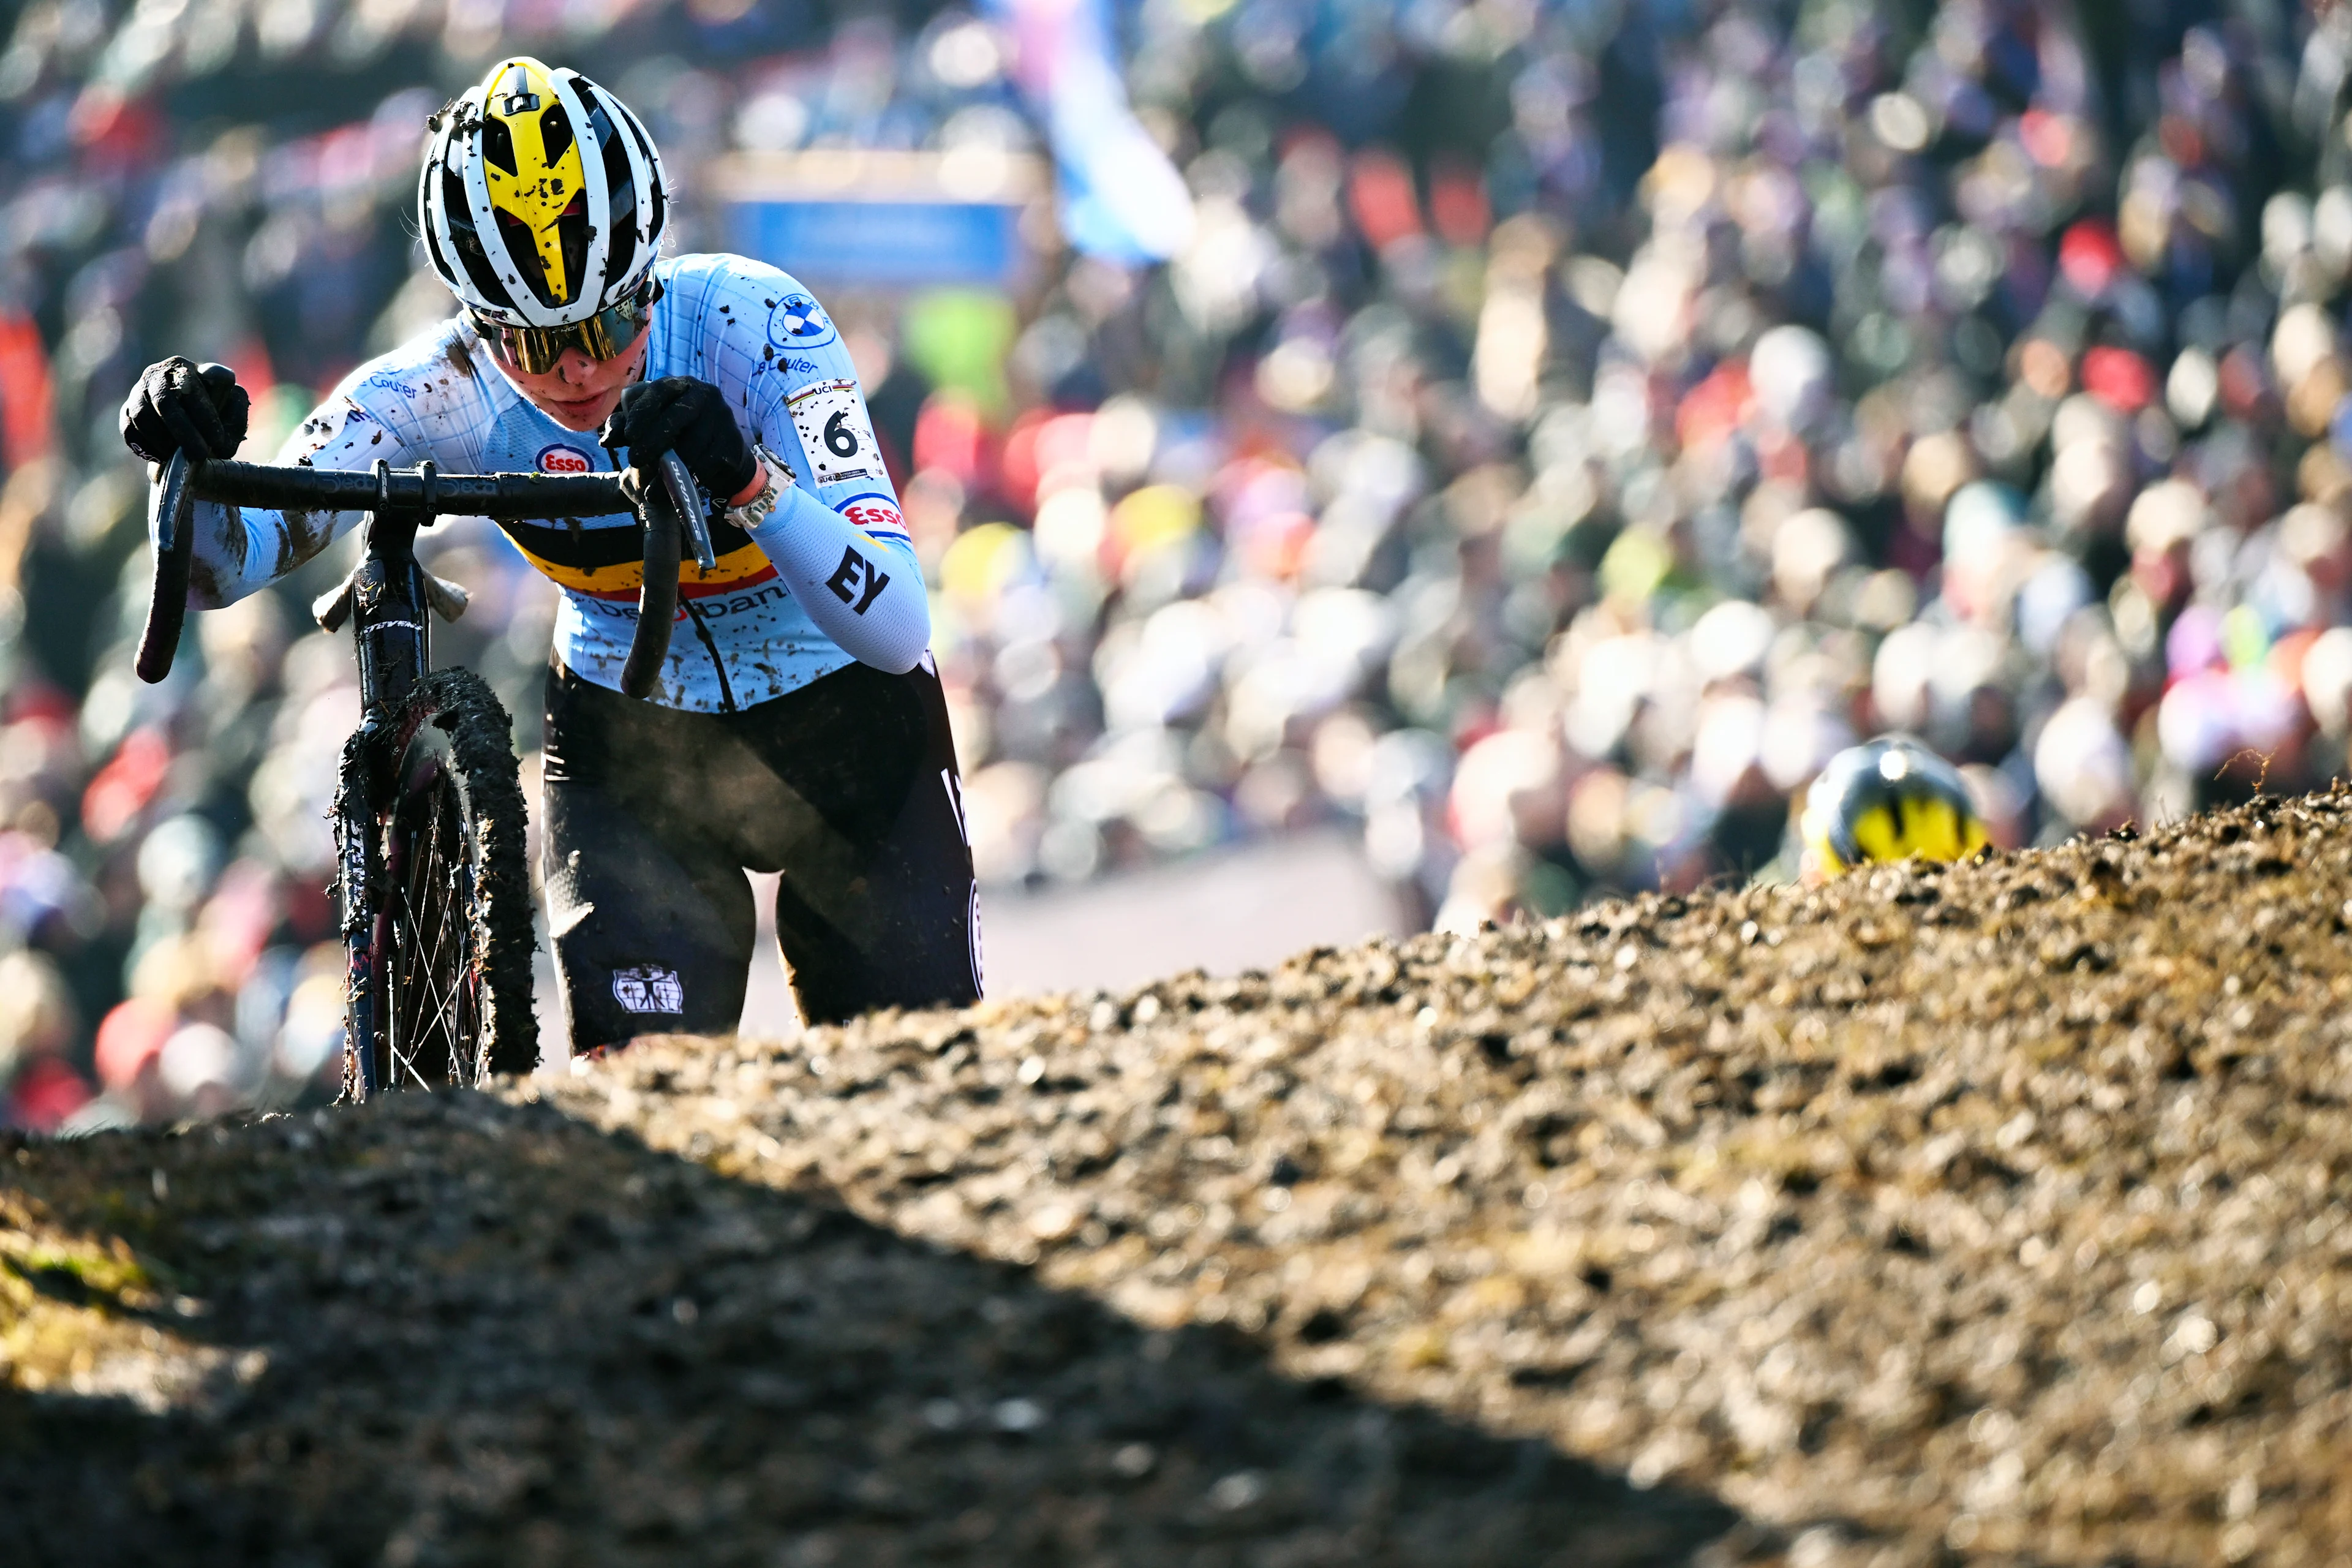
[{"x": 882, "y": 243}]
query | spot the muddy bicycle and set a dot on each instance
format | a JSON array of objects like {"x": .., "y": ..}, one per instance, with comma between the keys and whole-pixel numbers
[{"x": 432, "y": 892}]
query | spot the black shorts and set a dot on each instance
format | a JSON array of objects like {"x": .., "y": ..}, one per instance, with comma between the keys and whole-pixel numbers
[{"x": 848, "y": 786}]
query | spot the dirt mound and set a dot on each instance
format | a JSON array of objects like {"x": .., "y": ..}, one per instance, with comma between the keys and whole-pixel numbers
[{"x": 1991, "y": 1213}]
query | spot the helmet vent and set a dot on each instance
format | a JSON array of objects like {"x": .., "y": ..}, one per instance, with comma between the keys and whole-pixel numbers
[
  {"x": 636, "y": 136},
  {"x": 524, "y": 247},
  {"x": 555, "y": 133},
  {"x": 497, "y": 145},
  {"x": 620, "y": 187},
  {"x": 467, "y": 244}
]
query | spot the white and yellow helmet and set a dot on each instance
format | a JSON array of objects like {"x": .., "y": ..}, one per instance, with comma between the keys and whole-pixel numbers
[
  {"x": 1888, "y": 799},
  {"x": 542, "y": 199}
]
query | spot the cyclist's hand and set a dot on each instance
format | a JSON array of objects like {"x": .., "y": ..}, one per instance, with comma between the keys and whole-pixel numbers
[
  {"x": 182, "y": 407},
  {"x": 678, "y": 414}
]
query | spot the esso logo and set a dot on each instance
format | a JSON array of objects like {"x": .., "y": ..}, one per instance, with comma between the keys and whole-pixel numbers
[
  {"x": 563, "y": 459},
  {"x": 874, "y": 514}
]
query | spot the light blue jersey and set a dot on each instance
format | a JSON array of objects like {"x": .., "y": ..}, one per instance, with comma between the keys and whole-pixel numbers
[{"x": 849, "y": 586}]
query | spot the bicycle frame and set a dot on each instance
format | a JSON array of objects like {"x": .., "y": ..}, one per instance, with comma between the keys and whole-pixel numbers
[
  {"x": 391, "y": 628},
  {"x": 388, "y": 600}
]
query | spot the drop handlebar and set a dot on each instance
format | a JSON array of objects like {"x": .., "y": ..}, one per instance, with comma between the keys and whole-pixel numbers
[{"x": 673, "y": 516}]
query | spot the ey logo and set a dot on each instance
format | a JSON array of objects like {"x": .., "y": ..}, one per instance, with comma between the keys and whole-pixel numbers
[{"x": 847, "y": 576}]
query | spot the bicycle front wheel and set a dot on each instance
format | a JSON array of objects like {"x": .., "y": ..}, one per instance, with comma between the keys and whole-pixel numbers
[{"x": 451, "y": 970}]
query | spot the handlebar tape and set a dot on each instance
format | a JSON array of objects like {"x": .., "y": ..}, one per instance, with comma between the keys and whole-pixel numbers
[
  {"x": 170, "y": 522},
  {"x": 452, "y": 495},
  {"x": 657, "y": 596}
]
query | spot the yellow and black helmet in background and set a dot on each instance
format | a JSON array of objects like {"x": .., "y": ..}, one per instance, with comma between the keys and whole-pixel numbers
[
  {"x": 1889, "y": 800},
  {"x": 542, "y": 199}
]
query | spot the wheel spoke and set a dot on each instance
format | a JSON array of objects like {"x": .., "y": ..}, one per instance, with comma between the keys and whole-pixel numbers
[
  {"x": 436, "y": 1018},
  {"x": 453, "y": 933},
  {"x": 430, "y": 980},
  {"x": 438, "y": 944},
  {"x": 400, "y": 1042},
  {"x": 404, "y": 1012},
  {"x": 416, "y": 975},
  {"x": 416, "y": 990},
  {"x": 418, "y": 1034},
  {"x": 432, "y": 918}
]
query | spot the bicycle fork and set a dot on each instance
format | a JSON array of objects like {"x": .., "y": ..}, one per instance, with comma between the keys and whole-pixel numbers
[
  {"x": 358, "y": 863},
  {"x": 391, "y": 626}
]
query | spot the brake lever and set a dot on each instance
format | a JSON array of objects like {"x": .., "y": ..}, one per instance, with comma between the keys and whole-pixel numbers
[
  {"x": 170, "y": 522},
  {"x": 693, "y": 520}
]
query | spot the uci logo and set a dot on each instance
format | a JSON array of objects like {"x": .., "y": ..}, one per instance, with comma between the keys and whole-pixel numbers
[
  {"x": 798, "y": 322},
  {"x": 562, "y": 460}
]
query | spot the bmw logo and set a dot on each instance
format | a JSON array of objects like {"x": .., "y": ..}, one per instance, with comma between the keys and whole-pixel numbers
[{"x": 798, "y": 322}]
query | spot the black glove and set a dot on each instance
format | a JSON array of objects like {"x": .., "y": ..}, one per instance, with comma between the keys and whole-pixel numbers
[
  {"x": 678, "y": 414},
  {"x": 182, "y": 407}
]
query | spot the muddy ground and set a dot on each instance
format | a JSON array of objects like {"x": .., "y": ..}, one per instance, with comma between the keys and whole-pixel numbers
[{"x": 1991, "y": 1214}]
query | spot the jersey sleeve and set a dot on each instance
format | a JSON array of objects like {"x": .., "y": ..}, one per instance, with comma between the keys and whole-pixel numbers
[
  {"x": 241, "y": 548},
  {"x": 837, "y": 537}
]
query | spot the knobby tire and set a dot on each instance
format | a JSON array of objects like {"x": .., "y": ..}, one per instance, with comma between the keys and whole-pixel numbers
[{"x": 449, "y": 905}]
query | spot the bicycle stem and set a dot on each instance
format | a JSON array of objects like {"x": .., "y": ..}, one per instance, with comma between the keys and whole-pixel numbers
[{"x": 388, "y": 623}]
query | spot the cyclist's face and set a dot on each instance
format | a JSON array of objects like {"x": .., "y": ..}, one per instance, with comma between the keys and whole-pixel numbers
[{"x": 580, "y": 391}]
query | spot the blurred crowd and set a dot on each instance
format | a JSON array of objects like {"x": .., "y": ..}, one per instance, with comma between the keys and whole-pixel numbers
[{"x": 1563, "y": 427}]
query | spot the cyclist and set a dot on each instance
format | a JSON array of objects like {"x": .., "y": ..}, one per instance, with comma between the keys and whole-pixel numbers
[
  {"x": 1888, "y": 799},
  {"x": 798, "y": 725}
]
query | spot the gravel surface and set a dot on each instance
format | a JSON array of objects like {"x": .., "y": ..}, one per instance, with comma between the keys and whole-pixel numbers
[{"x": 1994, "y": 1213}]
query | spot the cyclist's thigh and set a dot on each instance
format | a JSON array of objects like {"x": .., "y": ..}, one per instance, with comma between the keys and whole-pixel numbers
[
  {"x": 889, "y": 917},
  {"x": 646, "y": 942},
  {"x": 652, "y": 920}
]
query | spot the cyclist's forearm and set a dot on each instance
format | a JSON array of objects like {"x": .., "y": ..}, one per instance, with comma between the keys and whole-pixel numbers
[
  {"x": 256, "y": 546},
  {"x": 240, "y": 550},
  {"x": 864, "y": 595}
]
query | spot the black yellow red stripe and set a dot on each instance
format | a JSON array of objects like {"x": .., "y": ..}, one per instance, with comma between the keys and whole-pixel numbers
[
  {"x": 623, "y": 579},
  {"x": 605, "y": 558}
]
